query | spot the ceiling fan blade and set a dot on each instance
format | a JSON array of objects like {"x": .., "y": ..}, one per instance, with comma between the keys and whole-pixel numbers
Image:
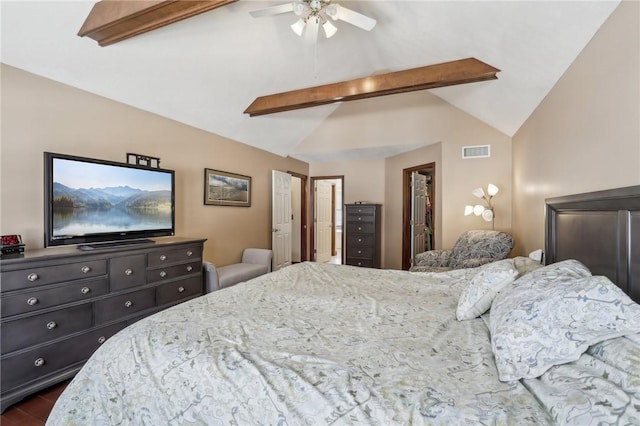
[
  {"x": 311, "y": 31},
  {"x": 355, "y": 18},
  {"x": 272, "y": 10}
]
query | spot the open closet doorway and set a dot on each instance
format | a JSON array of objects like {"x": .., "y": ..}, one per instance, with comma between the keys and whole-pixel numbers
[
  {"x": 418, "y": 206},
  {"x": 326, "y": 225}
]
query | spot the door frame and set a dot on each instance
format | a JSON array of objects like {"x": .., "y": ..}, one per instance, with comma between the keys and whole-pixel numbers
[
  {"x": 312, "y": 207},
  {"x": 406, "y": 209},
  {"x": 304, "y": 219}
]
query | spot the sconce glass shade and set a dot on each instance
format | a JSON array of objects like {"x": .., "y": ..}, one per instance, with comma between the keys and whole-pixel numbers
[
  {"x": 478, "y": 209},
  {"x": 487, "y": 215},
  {"x": 468, "y": 210},
  {"x": 492, "y": 189},
  {"x": 478, "y": 192}
]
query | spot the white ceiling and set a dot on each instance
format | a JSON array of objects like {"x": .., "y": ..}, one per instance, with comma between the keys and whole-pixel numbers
[{"x": 204, "y": 71}]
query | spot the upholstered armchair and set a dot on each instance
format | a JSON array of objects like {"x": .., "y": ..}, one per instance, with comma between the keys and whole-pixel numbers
[{"x": 473, "y": 248}]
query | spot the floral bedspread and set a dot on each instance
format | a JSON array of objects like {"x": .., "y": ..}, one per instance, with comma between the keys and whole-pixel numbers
[{"x": 321, "y": 344}]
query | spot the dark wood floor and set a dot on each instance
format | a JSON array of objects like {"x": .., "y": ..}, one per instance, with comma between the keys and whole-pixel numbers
[{"x": 33, "y": 410}]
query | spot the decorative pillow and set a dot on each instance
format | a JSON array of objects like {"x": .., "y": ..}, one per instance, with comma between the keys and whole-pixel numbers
[
  {"x": 565, "y": 270},
  {"x": 534, "y": 327},
  {"x": 476, "y": 299}
]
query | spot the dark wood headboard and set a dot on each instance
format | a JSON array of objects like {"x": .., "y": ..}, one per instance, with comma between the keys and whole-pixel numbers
[{"x": 600, "y": 229}]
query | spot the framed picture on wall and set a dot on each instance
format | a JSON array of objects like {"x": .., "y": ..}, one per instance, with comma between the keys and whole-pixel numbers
[{"x": 226, "y": 189}]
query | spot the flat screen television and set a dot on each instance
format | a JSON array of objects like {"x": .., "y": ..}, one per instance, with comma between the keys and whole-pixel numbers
[{"x": 90, "y": 202}]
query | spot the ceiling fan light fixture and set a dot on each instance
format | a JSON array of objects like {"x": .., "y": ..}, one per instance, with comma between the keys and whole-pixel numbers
[
  {"x": 300, "y": 8},
  {"x": 329, "y": 29},
  {"x": 298, "y": 26},
  {"x": 332, "y": 11}
]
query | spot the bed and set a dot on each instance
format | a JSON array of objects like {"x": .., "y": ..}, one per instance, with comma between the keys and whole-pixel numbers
[{"x": 512, "y": 342}]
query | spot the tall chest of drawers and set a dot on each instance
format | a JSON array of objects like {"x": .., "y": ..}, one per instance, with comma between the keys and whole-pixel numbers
[
  {"x": 60, "y": 304},
  {"x": 363, "y": 234}
]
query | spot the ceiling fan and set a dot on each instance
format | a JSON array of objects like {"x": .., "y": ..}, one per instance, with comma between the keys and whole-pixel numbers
[{"x": 313, "y": 14}]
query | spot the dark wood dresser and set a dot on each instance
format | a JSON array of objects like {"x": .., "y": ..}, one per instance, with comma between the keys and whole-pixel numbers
[
  {"x": 363, "y": 234},
  {"x": 60, "y": 304}
]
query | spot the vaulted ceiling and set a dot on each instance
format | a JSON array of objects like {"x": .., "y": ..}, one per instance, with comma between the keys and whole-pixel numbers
[{"x": 205, "y": 70}]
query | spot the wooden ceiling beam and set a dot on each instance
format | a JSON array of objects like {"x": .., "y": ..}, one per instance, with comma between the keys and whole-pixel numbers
[
  {"x": 111, "y": 21},
  {"x": 445, "y": 74}
]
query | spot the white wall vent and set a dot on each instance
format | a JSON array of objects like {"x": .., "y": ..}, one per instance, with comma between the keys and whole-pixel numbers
[{"x": 478, "y": 151}]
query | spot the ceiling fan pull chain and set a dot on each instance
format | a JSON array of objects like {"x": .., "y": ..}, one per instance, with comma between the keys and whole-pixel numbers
[{"x": 315, "y": 61}]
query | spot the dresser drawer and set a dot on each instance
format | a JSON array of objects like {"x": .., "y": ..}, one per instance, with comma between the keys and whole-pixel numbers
[
  {"x": 361, "y": 252},
  {"x": 127, "y": 271},
  {"x": 124, "y": 305},
  {"x": 177, "y": 290},
  {"x": 173, "y": 271},
  {"x": 365, "y": 228},
  {"x": 29, "y": 331},
  {"x": 37, "y": 363},
  {"x": 359, "y": 240},
  {"x": 367, "y": 263},
  {"x": 40, "y": 298},
  {"x": 175, "y": 255},
  {"x": 360, "y": 218},
  {"x": 37, "y": 276},
  {"x": 361, "y": 210}
]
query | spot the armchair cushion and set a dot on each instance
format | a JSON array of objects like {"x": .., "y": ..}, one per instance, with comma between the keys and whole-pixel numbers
[
  {"x": 473, "y": 249},
  {"x": 437, "y": 258},
  {"x": 480, "y": 244},
  {"x": 258, "y": 256},
  {"x": 255, "y": 262}
]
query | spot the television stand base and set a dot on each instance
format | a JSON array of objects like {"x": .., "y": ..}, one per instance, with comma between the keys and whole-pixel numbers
[{"x": 114, "y": 244}]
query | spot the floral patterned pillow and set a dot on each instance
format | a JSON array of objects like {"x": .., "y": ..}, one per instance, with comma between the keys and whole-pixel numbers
[
  {"x": 538, "y": 324},
  {"x": 476, "y": 299}
]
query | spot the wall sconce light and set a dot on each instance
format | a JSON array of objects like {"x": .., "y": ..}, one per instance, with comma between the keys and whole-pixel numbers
[{"x": 480, "y": 210}]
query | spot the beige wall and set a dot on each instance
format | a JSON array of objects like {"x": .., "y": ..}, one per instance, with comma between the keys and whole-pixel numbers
[
  {"x": 585, "y": 135},
  {"x": 413, "y": 119},
  {"x": 41, "y": 115}
]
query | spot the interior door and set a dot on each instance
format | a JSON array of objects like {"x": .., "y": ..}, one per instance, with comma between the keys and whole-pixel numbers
[
  {"x": 280, "y": 219},
  {"x": 418, "y": 213},
  {"x": 324, "y": 226}
]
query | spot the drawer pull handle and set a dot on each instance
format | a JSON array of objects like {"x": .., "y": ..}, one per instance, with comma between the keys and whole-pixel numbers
[
  {"x": 128, "y": 272},
  {"x": 85, "y": 290},
  {"x": 359, "y": 218},
  {"x": 359, "y": 251},
  {"x": 189, "y": 268},
  {"x": 51, "y": 325},
  {"x": 189, "y": 253},
  {"x": 85, "y": 269},
  {"x": 359, "y": 240},
  {"x": 359, "y": 228},
  {"x": 163, "y": 257},
  {"x": 32, "y": 277},
  {"x": 180, "y": 289},
  {"x": 163, "y": 274},
  {"x": 101, "y": 339},
  {"x": 128, "y": 304},
  {"x": 359, "y": 263},
  {"x": 39, "y": 362},
  {"x": 32, "y": 301}
]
